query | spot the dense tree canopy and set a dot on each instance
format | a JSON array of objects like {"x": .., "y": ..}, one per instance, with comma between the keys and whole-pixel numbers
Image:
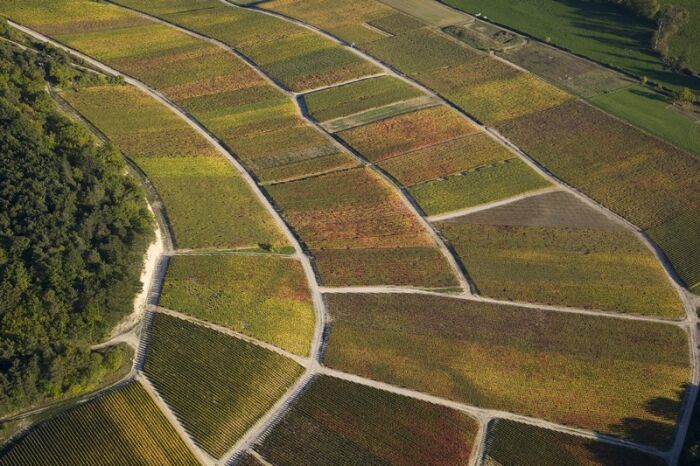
[{"x": 73, "y": 230}]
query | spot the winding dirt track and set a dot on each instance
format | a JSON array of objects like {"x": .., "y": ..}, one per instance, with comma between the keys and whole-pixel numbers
[{"x": 314, "y": 367}]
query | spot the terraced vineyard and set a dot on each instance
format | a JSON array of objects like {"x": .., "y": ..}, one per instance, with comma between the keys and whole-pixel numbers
[
  {"x": 376, "y": 257},
  {"x": 218, "y": 386},
  {"x": 124, "y": 426},
  {"x": 338, "y": 422}
]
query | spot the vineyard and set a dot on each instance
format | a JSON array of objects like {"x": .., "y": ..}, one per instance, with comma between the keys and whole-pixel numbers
[
  {"x": 218, "y": 386},
  {"x": 510, "y": 442},
  {"x": 264, "y": 297},
  {"x": 543, "y": 249},
  {"x": 123, "y": 427},
  {"x": 649, "y": 182},
  {"x": 528, "y": 361},
  {"x": 208, "y": 203},
  {"x": 356, "y": 97},
  {"x": 338, "y": 422},
  {"x": 400, "y": 320}
]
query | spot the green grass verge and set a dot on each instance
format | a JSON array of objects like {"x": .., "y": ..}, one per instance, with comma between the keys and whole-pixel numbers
[
  {"x": 486, "y": 184},
  {"x": 359, "y": 96},
  {"x": 511, "y": 442},
  {"x": 338, "y": 422},
  {"x": 616, "y": 376},
  {"x": 266, "y": 297},
  {"x": 122, "y": 427},
  {"x": 217, "y": 385},
  {"x": 601, "y": 30},
  {"x": 654, "y": 113}
]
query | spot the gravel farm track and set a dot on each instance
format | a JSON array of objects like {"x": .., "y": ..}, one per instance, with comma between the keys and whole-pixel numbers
[{"x": 313, "y": 363}]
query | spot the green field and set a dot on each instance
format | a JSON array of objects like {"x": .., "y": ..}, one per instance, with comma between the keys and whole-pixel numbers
[
  {"x": 531, "y": 362},
  {"x": 600, "y": 30},
  {"x": 650, "y": 183},
  {"x": 445, "y": 159},
  {"x": 122, "y": 427},
  {"x": 207, "y": 202},
  {"x": 554, "y": 249},
  {"x": 217, "y": 385},
  {"x": 266, "y": 297},
  {"x": 485, "y": 184},
  {"x": 359, "y": 96},
  {"x": 511, "y": 442},
  {"x": 338, "y": 422},
  {"x": 654, "y": 113}
]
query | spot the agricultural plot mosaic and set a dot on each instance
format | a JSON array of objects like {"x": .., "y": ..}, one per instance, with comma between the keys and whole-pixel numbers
[{"x": 387, "y": 234}]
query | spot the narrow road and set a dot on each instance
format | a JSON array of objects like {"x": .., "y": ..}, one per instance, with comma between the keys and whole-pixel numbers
[
  {"x": 683, "y": 323},
  {"x": 692, "y": 392},
  {"x": 318, "y": 304},
  {"x": 405, "y": 197}
]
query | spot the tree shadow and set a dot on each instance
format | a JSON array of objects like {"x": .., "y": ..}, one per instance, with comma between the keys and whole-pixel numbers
[{"x": 657, "y": 433}]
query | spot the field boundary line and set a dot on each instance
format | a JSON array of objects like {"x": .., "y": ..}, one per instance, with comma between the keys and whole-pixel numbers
[
  {"x": 302, "y": 361},
  {"x": 268, "y": 420},
  {"x": 338, "y": 84},
  {"x": 408, "y": 201},
  {"x": 258, "y": 457},
  {"x": 491, "y": 205},
  {"x": 670, "y": 272},
  {"x": 317, "y": 300},
  {"x": 522, "y": 304},
  {"x": 483, "y": 413},
  {"x": 199, "y": 453}
]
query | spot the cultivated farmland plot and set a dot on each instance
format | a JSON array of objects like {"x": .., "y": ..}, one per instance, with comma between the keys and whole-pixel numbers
[
  {"x": 123, "y": 427},
  {"x": 554, "y": 249},
  {"x": 511, "y": 442},
  {"x": 527, "y": 361},
  {"x": 208, "y": 203},
  {"x": 217, "y": 385},
  {"x": 618, "y": 375},
  {"x": 339, "y": 422},
  {"x": 265, "y": 297},
  {"x": 648, "y": 182}
]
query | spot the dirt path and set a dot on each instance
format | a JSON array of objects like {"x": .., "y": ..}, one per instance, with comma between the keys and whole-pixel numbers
[
  {"x": 283, "y": 404},
  {"x": 691, "y": 319},
  {"x": 490, "y": 205},
  {"x": 319, "y": 306},
  {"x": 295, "y": 97}
]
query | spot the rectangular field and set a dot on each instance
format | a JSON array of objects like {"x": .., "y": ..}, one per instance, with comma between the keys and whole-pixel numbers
[
  {"x": 653, "y": 112},
  {"x": 394, "y": 136},
  {"x": 621, "y": 377},
  {"x": 648, "y": 182},
  {"x": 445, "y": 159},
  {"x": 359, "y": 96},
  {"x": 554, "y": 249},
  {"x": 207, "y": 202},
  {"x": 266, "y": 297},
  {"x": 511, "y": 442},
  {"x": 339, "y": 422},
  {"x": 217, "y": 385},
  {"x": 485, "y": 184},
  {"x": 122, "y": 427}
]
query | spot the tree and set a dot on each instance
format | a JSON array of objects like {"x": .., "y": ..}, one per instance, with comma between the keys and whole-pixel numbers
[
  {"x": 670, "y": 21},
  {"x": 684, "y": 96}
]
